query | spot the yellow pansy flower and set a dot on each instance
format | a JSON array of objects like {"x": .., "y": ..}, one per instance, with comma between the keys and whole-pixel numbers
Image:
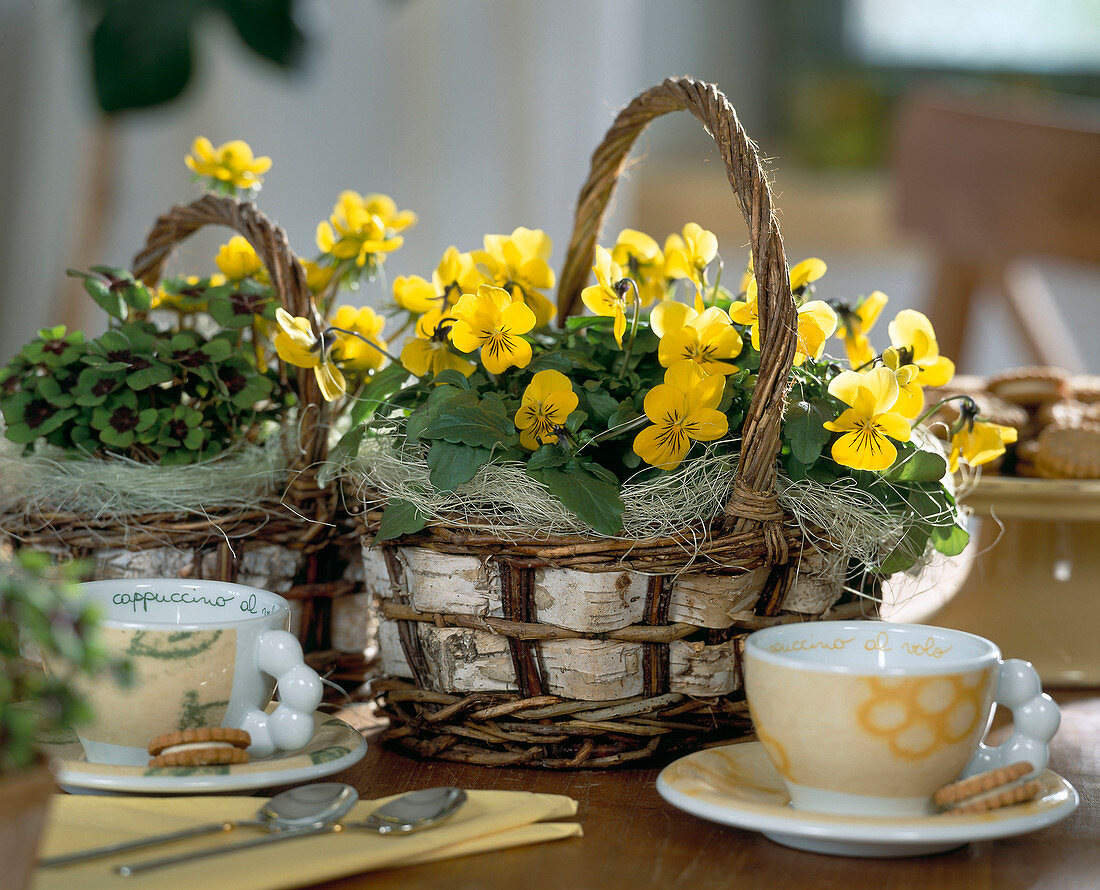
[
  {"x": 457, "y": 274},
  {"x": 977, "y": 443},
  {"x": 238, "y": 260},
  {"x": 688, "y": 254},
  {"x": 361, "y": 228},
  {"x": 430, "y": 350},
  {"x": 910, "y": 401},
  {"x": 297, "y": 346},
  {"x": 705, "y": 338},
  {"x": 642, "y": 259},
  {"x": 231, "y": 163},
  {"x": 351, "y": 351},
  {"x": 802, "y": 273},
  {"x": 912, "y": 331},
  {"x": 492, "y": 322},
  {"x": 682, "y": 409},
  {"x": 547, "y": 403},
  {"x": 518, "y": 263},
  {"x": 856, "y": 325},
  {"x": 870, "y": 422},
  {"x": 416, "y": 294},
  {"x": 605, "y": 298},
  {"x": 816, "y": 323}
]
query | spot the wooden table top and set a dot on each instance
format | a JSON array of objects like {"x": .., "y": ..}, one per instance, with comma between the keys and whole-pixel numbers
[{"x": 634, "y": 839}]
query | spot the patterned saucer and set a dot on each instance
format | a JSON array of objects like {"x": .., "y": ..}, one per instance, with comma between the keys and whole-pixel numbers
[
  {"x": 737, "y": 785},
  {"x": 335, "y": 746}
]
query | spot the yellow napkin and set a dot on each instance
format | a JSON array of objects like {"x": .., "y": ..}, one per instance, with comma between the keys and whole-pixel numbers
[{"x": 489, "y": 820}]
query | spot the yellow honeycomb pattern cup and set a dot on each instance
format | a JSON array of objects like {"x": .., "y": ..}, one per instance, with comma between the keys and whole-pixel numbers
[{"x": 870, "y": 718}]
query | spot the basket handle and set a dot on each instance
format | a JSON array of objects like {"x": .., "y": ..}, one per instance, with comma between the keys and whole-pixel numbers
[
  {"x": 753, "y": 496},
  {"x": 288, "y": 279}
]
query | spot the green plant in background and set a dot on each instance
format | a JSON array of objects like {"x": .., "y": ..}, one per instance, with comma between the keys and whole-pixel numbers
[{"x": 41, "y": 611}]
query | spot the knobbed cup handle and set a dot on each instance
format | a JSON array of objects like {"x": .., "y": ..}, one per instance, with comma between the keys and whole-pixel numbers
[
  {"x": 1035, "y": 720},
  {"x": 290, "y": 725},
  {"x": 753, "y": 497}
]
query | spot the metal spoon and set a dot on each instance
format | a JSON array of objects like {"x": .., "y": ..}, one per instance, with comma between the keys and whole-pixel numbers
[
  {"x": 411, "y": 812},
  {"x": 414, "y": 811},
  {"x": 299, "y": 807}
]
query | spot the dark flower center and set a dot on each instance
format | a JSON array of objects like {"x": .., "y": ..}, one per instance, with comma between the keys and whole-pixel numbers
[{"x": 124, "y": 419}]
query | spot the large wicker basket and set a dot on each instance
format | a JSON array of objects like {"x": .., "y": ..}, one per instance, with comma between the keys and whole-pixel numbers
[
  {"x": 292, "y": 541},
  {"x": 584, "y": 652}
]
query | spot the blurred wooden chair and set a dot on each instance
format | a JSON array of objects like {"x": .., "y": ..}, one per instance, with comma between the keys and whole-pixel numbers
[{"x": 992, "y": 189}]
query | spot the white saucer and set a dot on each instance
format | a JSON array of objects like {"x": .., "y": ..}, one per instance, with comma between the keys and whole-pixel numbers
[
  {"x": 737, "y": 785},
  {"x": 335, "y": 746}
]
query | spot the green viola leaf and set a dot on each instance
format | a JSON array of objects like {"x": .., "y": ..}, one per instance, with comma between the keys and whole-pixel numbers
[
  {"x": 802, "y": 426},
  {"x": 485, "y": 424},
  {"x": 378, "y": 391},
  {"x": 907, "y": 551},
  {"x": 99, "y": 288},
  {"x": 448, "y": 377},
  {"x": 950, "y": 540},
  {"x": 399, "y": 518},
  {"x": 915, "y": 465},
  {"x": 452, "y": 465},
  {"x": 597, "y": 402},
  {"x": 551, "y": 361},
  {"x": 595, "y": 502},
  {"x": 548, "y": 456},
  {"x": 417, "y": 422}
]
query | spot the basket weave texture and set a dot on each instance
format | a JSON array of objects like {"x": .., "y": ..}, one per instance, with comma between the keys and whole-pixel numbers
[
  {"x": 303, "y": 518},
  {"x": 433, "y": 715}
]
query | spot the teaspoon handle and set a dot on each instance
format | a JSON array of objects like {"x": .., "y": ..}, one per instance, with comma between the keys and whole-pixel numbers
[
  {"x": 139, "y": 843},
  {"x": 289, "y": 834}
]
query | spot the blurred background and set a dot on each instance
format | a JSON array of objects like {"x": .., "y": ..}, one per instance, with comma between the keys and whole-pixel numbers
[{"x": 945, "y": 153}]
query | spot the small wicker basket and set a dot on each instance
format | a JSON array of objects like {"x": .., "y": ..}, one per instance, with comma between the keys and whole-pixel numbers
[
  {"x": 583, "y": 652},
  {"x": 292, "y": 540}
]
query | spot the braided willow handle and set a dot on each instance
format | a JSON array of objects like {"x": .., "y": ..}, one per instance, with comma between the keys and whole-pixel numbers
[
  {"x": 754, "y": 488},
  {"x": 288, "y": 279}
]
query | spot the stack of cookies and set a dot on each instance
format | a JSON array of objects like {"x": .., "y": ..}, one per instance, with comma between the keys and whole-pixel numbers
[{"x": 1056, "y": 417}]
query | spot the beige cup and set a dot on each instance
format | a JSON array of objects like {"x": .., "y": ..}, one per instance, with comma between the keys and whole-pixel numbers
[
  {"x": 872, "y": 718},
  {"x": 204, "y": 653}
]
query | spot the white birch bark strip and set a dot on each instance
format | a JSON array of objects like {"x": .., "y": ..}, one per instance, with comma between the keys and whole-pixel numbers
[
  {"x": 591, "y": 602},
  {"x": 464, "y": 660},
  {"x": 444, "y": 582},
  {"x": 713, "y": 600},
  {"x": 695, "y": 669},
  {"x": 592, "y": 670},
  {"x": 394, "y": 662},
  {"x": 376, "y": 576}
]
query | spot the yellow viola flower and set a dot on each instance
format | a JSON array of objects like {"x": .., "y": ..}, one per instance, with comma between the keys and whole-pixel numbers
[
  {"x": 870, "y": 422},
  {"x": 802, "y": 273},
  {"x": 357, "y": 231},
  {"x": 430, "y": 350},
  {"x": 912, "y": 331},
  {"x": 518, "y": 263},
  {"x": 457, "y": 274},
  {"x": 296, "y": 345},
  {"x": 352, "y": 352},
  {"x": 910, "y": 401},
  {"x": 547, "y": 403},
  {"x": 816, "y": 323},
  {"x": 231, "y": 163},
  {"x": 604, "y": 297},
  {"x": 492, "y": 322},
  {"x": 688, "y": 254},
  {"x": 238, "y": 260},
  {"x": 416, "y": 294},
  {"x": 856, "y": 325},
  {"x": 705, "y": 338},
  {"x": 977, "y": 442},
  {"x": 682, "y": 409},
  {"x": 642, "y": 259}
]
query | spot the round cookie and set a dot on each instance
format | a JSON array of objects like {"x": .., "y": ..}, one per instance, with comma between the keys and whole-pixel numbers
[
  {"x": 1069, "y": 452},
  {"x": 206, "y": 746},
  {"x": 1085, "y": 388},
  {"x": 1029, "y": 387}
]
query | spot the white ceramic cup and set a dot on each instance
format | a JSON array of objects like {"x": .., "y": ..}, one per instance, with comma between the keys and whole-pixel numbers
[
  {"x": 872, "y": 718},
  {"x": 204, "y": 653}
]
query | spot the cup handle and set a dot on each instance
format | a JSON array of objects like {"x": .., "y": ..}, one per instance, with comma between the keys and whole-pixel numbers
[
  {"x": 1035, "y": 719},
  {"x": 290, "y": 725}
]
